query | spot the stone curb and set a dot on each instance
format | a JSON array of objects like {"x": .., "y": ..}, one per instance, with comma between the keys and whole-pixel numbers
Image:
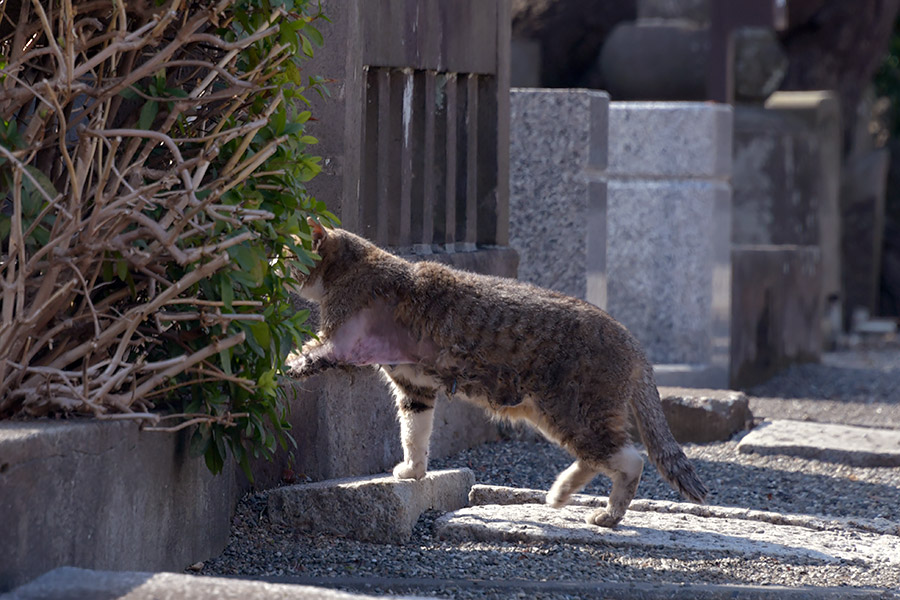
[
  {"x": 69, "y": 583},
  {"x": 374, "y": 509},
  {"x": 845, "y": 444},
  {"x": 502, "y": 495},
  {"x": 600, "y": 590},
  {"x": 676, "y": 532}
]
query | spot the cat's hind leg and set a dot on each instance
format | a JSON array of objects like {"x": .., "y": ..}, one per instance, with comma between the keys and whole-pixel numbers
[
  {"x": 571, "y": 481},
  {"x": 624, "y": 467},
  {"x": 415, "y": 408}
]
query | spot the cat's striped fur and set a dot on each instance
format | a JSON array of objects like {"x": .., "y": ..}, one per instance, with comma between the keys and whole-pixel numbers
[{"x": 519, "y": 351}]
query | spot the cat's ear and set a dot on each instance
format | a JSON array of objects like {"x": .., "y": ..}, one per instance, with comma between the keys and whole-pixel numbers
[{"x": 318, "y": 233}]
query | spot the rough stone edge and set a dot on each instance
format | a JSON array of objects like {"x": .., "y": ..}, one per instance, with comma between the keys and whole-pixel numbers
[
  {"x": 495, "y": 494},
  {"x": 855, "y": 458},
  {"x": 70, "y": 583},
  {"x": 609, "y": 590}
]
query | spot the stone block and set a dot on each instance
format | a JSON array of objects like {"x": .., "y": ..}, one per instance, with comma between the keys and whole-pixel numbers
[
  {"x": 667, "y": 58},
  {"x": 863, "y": 224},
  {"x": 525, "y": 63},
  {"x": 776, "y": 310},
  {"x": 662, "y": 255},
  {"x": 776, "y": 177},
  {"x": 375, "y": 509},
  {"x": 670, "y": 140},
  {"x": 558, "y": 149},
  {"x": 820, "y": 112},
  {"x": 668, "y": 265},
  {"x": 760, "y": 63},
  {"x": 704, "y": 415},
  {"x": 67, "y": 583},
  {"x": 105, "y": 495},
  {"x": 697, "y": 415},
  {"x": 844, "y": 444}
]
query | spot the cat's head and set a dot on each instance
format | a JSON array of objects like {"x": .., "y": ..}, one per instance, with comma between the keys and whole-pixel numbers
[{"x": 337, "y": 250}]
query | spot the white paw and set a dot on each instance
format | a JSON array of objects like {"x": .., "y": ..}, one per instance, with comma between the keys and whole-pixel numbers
[
  {"x": 558, "y": 496},
  {"x": 604, "y": 518},
  {"x": 409, "y": 470},
  {"x": 555, "y": 499}
]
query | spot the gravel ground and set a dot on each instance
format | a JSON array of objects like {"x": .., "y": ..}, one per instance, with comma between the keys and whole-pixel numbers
[
  {"x": 855, "y": 384},
  {"x": 858, "y": 386}
]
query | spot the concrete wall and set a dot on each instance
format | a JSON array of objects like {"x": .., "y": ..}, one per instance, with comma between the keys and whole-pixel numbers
[{"x": 105, "y": 495}]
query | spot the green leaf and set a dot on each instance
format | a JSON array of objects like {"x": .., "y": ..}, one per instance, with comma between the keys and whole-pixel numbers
[
  {"x": 305, "y": 46},
  {"x": 129, "y": 93},
  {"x": 199, "y": 441},
  {"x": 225, "y": 358},
  {"x": 148, "y": 114},
  {"x": 261, "y": 334},
  {"x": 214, "y": 461},
  {"x": 122, "y": 269},
  {"x": 314, "y": 35},
  {"x": 227, "y": 292}
]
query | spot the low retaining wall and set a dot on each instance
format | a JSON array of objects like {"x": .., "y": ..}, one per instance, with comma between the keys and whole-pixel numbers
[{"x": 104, "y": 495}]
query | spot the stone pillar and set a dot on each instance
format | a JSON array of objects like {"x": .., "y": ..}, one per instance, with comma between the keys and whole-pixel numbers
[
  {"x": 786, "y": 177},
  {"x": 820, "y": 112},
  {"x": 669, "y": 234},
  {"x": 558, "y": 144}
]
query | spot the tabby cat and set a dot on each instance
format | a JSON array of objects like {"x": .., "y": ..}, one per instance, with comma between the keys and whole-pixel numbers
[{"x": 518, "y": 351}]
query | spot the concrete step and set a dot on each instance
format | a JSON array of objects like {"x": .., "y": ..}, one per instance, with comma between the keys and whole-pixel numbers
[
  {"x": 845, "y": 444},
  {"x": 69, "y": 583},
  {"x": 683, "y": 528},
  {"x": 379, "y": 508}
]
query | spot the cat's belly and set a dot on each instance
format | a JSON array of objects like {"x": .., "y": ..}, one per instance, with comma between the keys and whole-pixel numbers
[{"x": 421, "y": 377}]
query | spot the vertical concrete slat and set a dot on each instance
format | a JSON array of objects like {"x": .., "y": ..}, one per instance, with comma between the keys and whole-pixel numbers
[
  {"x": 423, "y": 226},
  {"x": 452, "y": 110},
  {"x": 438, "y": 107},
  {"x": 383, "y": 172},
  {"x": 368, "y": 202},
  {"x": 487, "y": 176},
  {"x": 405, "y": 81},
  {"x": 394, "y": 204},
  {"x": 502, "y": 123},
  {"x": 470, "y": 226}
]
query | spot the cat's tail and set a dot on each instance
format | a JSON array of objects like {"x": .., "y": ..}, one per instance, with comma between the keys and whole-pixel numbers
[{"x": 665, "y": 453}]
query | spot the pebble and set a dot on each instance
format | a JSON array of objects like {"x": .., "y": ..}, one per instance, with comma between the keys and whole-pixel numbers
[{"x": 772, "y": 483}]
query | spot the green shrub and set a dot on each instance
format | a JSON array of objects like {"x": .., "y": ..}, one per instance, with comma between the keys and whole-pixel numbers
[{"x": 152, "y": 168}]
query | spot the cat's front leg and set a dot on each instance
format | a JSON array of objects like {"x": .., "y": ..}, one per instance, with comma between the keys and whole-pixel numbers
[
  {"x": 315, "y": 357},
  {"x": 415, "y": 405}
]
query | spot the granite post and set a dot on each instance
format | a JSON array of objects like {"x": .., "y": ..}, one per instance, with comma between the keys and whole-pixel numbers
[
  {"x": 558, "y": 146},
  {"x": 668, "y": 214}
]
